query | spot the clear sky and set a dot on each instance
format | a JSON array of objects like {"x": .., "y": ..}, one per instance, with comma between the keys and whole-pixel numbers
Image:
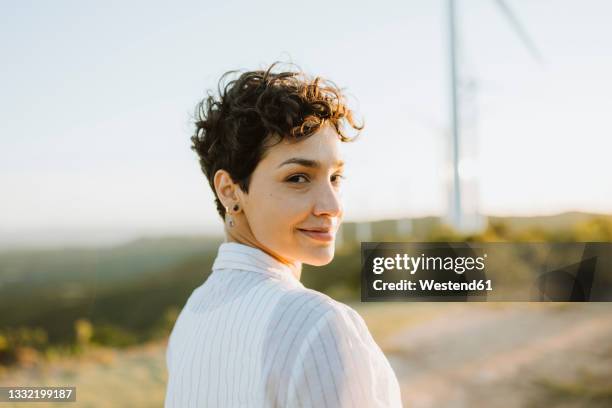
[{"x": 96, "y": 100}]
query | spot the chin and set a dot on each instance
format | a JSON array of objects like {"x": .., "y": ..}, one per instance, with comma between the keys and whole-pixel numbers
[{"x": 319, "y": 257}]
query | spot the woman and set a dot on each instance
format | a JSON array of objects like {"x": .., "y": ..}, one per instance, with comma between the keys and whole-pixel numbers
[{"x": 252, "y": 335}]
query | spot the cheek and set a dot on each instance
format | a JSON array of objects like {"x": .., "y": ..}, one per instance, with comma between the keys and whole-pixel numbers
[
  {"x": 289, "y": 213},
  {"x": 275, "y": 215}
]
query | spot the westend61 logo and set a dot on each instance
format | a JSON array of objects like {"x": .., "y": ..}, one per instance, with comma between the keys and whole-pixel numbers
[
  {"x": 467, "y": 271},
  {"x": 428, "y": 263}
]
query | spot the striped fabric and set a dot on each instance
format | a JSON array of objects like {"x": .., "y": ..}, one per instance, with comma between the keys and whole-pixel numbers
[{"x": 253, "y": 336}]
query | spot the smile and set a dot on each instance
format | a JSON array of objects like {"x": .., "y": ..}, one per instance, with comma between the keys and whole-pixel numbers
[{"x": 318, "y": 235}]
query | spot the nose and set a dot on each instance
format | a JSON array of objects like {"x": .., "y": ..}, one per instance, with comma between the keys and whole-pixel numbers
[{"x": 328, "y": 201}]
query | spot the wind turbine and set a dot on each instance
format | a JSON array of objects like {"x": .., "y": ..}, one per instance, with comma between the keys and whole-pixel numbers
[{"x": 457, "y": 215}]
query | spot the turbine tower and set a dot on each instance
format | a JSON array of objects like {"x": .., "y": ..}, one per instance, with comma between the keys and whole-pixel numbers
[{"x": 463, "y": 212}]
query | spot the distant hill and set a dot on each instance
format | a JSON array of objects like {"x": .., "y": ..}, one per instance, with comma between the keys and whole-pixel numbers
[
  {"x": 122, "y": 262},
  {"x": 421, "y": 228},
  {"x": 550, "y": 222}
]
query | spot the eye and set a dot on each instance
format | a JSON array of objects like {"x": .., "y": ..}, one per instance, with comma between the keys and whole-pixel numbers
[
  {"x": 296, "y": 179},
  {"x": 337, "y": 177}
]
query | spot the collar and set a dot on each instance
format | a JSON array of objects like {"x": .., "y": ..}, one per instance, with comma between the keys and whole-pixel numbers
[{"x": 233, "y": 255}]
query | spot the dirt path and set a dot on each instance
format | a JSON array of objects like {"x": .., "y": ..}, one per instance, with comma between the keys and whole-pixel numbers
[{"x": 490, "y": 355}]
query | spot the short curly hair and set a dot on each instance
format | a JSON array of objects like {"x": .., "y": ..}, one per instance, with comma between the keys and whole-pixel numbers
[{"x": 231, "y": 128}]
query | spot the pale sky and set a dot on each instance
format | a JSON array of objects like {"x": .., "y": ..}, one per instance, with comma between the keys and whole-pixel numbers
[{"x": 96, "y": 99}]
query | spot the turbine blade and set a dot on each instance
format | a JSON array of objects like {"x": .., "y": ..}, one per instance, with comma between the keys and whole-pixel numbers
[{"x": 519, "y": 30}]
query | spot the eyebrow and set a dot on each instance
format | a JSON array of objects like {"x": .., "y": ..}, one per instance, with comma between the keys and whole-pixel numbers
[{"x": 308, "y": 162}]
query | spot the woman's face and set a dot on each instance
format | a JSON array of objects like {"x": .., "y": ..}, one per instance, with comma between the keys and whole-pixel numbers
[{"x": 293, "y": 207}]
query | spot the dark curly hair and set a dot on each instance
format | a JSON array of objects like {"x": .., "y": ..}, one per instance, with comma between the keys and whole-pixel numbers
[{"x": 231, "y": 129}]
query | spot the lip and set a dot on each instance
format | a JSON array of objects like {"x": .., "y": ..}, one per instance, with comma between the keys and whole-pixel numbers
[{"x": 318, "y": 234}]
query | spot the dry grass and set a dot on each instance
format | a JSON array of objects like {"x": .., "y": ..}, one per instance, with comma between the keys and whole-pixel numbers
[
  {"x": 103, "y": 377},
  {"x": 589, "y": 387}
]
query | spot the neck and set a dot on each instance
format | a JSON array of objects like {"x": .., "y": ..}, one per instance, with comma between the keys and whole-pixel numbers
[{"x": 295, "y": 266}]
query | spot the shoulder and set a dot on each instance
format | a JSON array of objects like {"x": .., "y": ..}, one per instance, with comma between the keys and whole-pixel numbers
[
  {"x": 305, "y": 323},
  {"x": 312, "y": 302},
  {"x": 316, "y": 315}
]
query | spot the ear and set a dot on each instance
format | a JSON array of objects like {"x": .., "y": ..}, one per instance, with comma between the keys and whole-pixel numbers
[{"x": 225, "y": 188}]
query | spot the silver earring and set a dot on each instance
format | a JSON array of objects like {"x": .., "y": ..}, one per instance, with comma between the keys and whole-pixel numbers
[{"x": 229, "y": 217}]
